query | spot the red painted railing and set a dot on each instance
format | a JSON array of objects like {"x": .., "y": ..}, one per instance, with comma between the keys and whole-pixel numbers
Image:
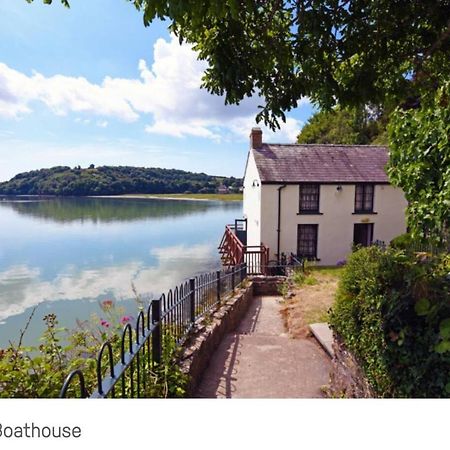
[
  {"x": 231, "y": 248},
  {"x": 234, "y": 252}
]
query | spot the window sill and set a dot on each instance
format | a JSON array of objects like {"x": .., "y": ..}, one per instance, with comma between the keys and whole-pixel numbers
[
  {"x": 362, "y": 213},
  {"x": 309, "y": 213}
]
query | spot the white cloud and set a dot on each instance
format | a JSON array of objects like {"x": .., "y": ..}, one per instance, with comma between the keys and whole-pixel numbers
[
  {"x": 167, "y": 94},
  {"x": 11, "y": 104},
  {"x": 61, "y": 94},
  {"x": 287, "y": 134},
  {"x": 171, "y": 128}
]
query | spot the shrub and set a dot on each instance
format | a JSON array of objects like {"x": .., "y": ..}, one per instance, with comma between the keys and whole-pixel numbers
[
  {"x": 298, "y": 277},
  {"x": 402, "y": 242},
  {"x": 283, "y": 289},
  {"x": 393, "y": 312},
  {"x": 39, "y": 371}
]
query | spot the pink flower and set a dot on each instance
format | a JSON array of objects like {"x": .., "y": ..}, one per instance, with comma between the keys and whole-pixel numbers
[
  {"x": 125, "y": 319},
  {"x": 104, "y": 323}
]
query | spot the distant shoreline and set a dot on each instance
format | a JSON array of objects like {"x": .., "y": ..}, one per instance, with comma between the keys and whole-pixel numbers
[{"x": 191, "y": 197}]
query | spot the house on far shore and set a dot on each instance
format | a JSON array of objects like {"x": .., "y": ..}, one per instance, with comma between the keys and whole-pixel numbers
[
  {"x": 222, "y": 189},
  {"x": 316, "y": 200}
]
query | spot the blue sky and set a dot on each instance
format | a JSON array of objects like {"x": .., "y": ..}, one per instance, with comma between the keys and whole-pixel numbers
[{"x": 93, "y": 85}]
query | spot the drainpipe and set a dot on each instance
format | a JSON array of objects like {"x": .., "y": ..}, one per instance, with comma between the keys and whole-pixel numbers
[{"x": 279, "y": 222}]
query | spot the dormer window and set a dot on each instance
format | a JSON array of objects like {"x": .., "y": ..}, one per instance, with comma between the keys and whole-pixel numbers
[
  {"x": 364, "y": 198},
  {"x": 309, "y": 198}
]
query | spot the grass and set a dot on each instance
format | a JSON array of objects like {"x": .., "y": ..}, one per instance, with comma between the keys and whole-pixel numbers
[
  {"x": 310, "y": 281},
  {"x": 333, "y": 271},
  {"x": 221, "y": 197},
  {"x": 316, "y": 315},
  {"x": 299, "y": 279},
  {"x": 314, "y": 293}
]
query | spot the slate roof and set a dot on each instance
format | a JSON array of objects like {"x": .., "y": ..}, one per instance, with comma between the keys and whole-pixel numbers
[{"x": 321, "y": 163}]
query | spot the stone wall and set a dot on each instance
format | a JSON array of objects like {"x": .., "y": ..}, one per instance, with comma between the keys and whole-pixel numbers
[
  {"x": 267, "y": 285},
  {"x": 346, "y": 377},
  {"x": 209, "y": 332}
]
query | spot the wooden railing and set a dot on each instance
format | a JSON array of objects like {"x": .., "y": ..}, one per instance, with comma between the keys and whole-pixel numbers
[
  {"x": 231, "y": 248},
  {"x": 256, "y": 258},
  {"x": 234, "y": 252}
]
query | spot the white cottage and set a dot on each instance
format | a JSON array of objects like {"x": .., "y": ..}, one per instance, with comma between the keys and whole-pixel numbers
[{"x": 315, "y": 201}]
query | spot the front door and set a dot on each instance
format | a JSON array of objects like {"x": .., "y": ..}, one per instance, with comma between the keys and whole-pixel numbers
[{"x": 363, "y": 234}]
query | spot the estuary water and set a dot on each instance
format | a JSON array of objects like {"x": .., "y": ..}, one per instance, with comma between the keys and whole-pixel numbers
[{"x": 65, "y": 255}]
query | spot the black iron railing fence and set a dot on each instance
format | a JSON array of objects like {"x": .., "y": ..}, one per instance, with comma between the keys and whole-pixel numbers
[
  {"x": 282, "y": 267},
  {"x": 140, "y": 346}
]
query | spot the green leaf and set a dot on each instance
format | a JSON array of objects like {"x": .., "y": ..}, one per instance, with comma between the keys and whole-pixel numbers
[
  {"x": 447, "y": 388},
  {"x": 422, "y": 307},
  {"x": 444, "y": 329},
  {"x": 442, "y": 347}
]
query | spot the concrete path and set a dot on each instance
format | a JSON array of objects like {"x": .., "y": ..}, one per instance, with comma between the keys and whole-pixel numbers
[{"x": 259, "y": 360}]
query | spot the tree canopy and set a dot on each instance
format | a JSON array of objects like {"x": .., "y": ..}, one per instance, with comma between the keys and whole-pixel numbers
[
  {"x": 344, "y": 126},
  {"x": 420, "y": 163}
]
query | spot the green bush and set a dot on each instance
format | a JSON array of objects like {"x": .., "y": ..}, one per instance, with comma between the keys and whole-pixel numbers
[
  {"x": 402, "y": 242},
  {"x": 39, "y": 371},
  {"x": 393, "y": 312}
]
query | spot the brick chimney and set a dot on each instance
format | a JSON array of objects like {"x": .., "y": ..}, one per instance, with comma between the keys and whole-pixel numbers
[{"x": 256, "y": 138}]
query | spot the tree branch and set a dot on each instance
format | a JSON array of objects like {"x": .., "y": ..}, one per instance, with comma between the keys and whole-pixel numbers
[{"x": 419, "y": 61}]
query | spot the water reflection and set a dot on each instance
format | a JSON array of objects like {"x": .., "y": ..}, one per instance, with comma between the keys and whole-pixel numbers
[
  {"x": 23, "y": 287},
  {"x": 67, "y": 254},
  {"x": 108, "y": 209}
]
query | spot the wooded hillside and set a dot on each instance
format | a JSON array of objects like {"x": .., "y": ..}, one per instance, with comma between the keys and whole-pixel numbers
[{"x": 110, "y": 180}]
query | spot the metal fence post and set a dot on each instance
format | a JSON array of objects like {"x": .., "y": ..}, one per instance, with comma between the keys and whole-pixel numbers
[
  {"x": 156, "y": 335},
  {"x": 75, "y": 373},
  {"x": 233, "y": 276},
  {"x": 218, "y": 286},
  {"x": 192, "y": 298},
  {"x": 244, "y": 271}
]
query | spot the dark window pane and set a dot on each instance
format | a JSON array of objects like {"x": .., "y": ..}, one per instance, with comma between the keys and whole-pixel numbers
[
  {"x": 309, "y": 197},
  {"x": 307, "y": 241},
  {"x": 368, "y": 198},
  {"x": 363, "y": 234},
  {"x": 364, "y": 197}
]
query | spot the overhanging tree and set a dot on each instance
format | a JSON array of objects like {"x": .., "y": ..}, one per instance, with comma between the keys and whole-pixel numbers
[
  {"x": 344, "y": 126},
  {"x": 420, "y": 163},
  {"x": 388, "y": 53}
]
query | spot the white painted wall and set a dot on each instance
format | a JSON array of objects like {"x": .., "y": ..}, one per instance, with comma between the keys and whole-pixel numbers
[
  {"x": 335, "y": 231},
  {"x": 252, "y": 201}
]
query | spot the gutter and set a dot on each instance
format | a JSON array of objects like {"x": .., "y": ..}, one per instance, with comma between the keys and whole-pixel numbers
[{"x": 280, "y": 188}]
